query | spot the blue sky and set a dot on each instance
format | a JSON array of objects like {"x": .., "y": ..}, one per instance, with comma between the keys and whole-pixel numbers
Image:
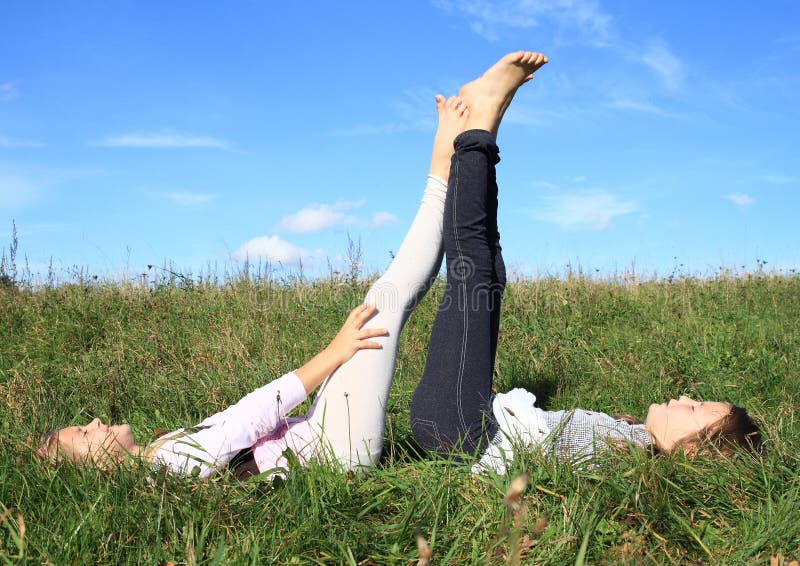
[{"x": 660, "y": 136}]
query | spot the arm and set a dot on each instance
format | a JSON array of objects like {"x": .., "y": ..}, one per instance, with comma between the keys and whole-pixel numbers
[
  {"x": 259, "y": 413},
  {"x": 350, "y": 339},
  {"x": 347, "y": 342}
]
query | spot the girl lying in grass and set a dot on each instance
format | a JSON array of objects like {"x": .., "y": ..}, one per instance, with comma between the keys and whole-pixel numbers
[
  {"x": 345, "y": 424},
  {"x": 452, "y": 409}
]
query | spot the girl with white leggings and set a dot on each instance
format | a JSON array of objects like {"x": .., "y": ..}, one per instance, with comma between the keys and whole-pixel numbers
[{"x": 346, "y": 422}]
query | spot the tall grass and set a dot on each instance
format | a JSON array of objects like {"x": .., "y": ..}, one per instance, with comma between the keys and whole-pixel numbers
[{"x": 166, "y": 354}]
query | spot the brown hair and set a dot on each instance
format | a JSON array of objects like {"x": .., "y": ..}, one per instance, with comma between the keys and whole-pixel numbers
[
  {"x": 735, "y": 431},
  {"x": 48, "y": 446}
]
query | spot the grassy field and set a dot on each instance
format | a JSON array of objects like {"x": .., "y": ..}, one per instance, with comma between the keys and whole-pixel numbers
[{"x": 165, "y": 355}]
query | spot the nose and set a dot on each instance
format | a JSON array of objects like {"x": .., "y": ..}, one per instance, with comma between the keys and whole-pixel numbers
[{"x": 686, "y": 399}]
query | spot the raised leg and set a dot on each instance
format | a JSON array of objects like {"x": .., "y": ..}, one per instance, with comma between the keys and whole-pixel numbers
[
  {"x": 450, "y": 410},
  {"x": 349, "y": 411},
  {"x": 451, "y": 407}
]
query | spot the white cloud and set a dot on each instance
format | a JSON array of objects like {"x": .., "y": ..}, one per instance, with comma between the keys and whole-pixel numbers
[
  {"x": 637, "y": 105},
  {"x": 772, "y": 179},
  {"x": 17, "y": 190},
  {"x": 274, "y": 250},
  {"x": 666, "y": 65},
  {"x": 579, "y": 210},
  {"x": 381, "y": 219},
  {"x": 8, "y": 92},
  {"x": 186, "y": 198},
  {"x": 545, "y": 185},
  {"x": 414, "y": 111},
  {"x": 385, "y": 129},
  {"x": 180, "y": 197},
  {"x": 10, "y": 143},
  {"x": 622, "y": 102},
  {"x": 741, "y": 199},
  {"x": 162, "y": 140},
  {"x": 490, "y": 18},
  {"x": 316, "y": 217}
]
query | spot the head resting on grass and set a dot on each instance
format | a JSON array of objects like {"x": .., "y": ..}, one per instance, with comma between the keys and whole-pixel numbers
[
  {"x": 694, "y": 427},
  {"x": 95, "y": 444}
]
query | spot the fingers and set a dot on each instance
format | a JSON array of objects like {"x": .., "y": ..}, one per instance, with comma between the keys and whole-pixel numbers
[
  {"x": 361, "y": 314},
  {"x": 372, "y": 333}
]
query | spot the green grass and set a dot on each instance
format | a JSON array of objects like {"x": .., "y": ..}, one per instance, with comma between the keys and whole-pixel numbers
[{"x": 168, "y": 355}]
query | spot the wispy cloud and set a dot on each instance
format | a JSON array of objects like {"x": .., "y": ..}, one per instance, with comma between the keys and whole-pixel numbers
[
  {"x": 364, "y": 129},
  {"x": 186, "y": 198},
  {"x": 664, "y": 63},
  {"x": 489, "y": 18},
  {"x": 17, "y": 190},
  {"x": 773, "y": 179},
  {"x": 8, "y": 92},
  {"x": 740, "y": 199},
  {"x": 180, "y": 197},
  {"x": 412, "y": 112},
  {"x": 789, "y": 45},
  {"x": 638, "y": 106},
  {"x": 274, "y": 250},
  {"x": 316, "y": 217},
  {"x": 581, "y": 210},
  {"x": 628, "y": 64},
  {"x": 162, "y": 140},
  {"x": 12, "y": 143},
  {"x": 381, "y": 219}
]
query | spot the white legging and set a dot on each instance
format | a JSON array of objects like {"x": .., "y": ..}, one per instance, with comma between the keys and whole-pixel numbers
[{"x": 349, "y": 411}]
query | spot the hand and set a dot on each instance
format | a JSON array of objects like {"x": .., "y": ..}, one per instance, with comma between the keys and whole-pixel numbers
[{"x": 352, "y": 337}]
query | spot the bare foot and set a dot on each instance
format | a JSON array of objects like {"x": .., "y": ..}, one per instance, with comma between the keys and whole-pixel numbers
[
  {"x": 453, "y": 114},
  {"x": 489, "y": 95}
]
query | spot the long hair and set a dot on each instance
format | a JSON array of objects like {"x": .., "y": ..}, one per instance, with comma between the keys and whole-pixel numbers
[{"x": 735, "y": 431}]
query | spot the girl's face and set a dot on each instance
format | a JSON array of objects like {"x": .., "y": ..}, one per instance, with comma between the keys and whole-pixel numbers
[
  {"x": 682, "y": 419},
  {"x": 95, "y": 441}
]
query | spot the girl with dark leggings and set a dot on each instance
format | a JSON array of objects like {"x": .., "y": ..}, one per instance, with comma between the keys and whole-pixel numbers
[
  {"x": 451, "y": 405},
  {"x": 453, "y": 410}
]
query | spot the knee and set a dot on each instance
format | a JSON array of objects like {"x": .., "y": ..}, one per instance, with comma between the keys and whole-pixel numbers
[
  {"x": 426, "y": 434},
  {"x": 424, "y": 426}
]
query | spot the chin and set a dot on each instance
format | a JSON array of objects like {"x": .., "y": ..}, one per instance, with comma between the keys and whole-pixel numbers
[
  {"x": 124, "y": 436},
  {"x": 652, "y": 410}
]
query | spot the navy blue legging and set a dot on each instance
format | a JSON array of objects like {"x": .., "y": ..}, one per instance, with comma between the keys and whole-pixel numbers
[{"x": 451, "y": 407}]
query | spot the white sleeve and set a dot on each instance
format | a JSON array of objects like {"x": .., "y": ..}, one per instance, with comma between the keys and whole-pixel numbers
[{"x": 238, "y": 427}]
